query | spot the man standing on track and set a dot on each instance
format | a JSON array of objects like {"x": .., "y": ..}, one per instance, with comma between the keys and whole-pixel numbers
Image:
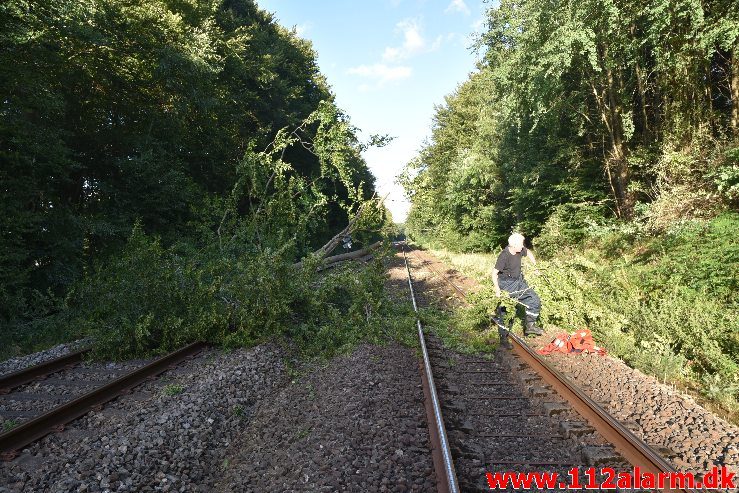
[{"x": 507, "y": 276}]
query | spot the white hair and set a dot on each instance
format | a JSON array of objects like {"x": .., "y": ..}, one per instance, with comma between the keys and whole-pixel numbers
[{"x": 515, "y": 239}]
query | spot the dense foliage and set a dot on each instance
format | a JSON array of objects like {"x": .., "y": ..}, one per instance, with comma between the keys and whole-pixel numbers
[
  {"x": 627, "y": 107},
  {"x": 206, "y": 124}
]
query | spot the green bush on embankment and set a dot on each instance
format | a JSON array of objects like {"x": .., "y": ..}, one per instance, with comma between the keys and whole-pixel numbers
[{"x": 666, "y": 304}]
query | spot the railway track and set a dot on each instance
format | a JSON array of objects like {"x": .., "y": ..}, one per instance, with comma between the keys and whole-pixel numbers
[
  {"x": 513, "y": 412},
  {"x": 43, "y": 398}
]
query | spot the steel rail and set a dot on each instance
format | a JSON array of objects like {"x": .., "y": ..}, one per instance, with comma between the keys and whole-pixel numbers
[
  {"x": 631, "y": 447},
  {"x": 438, "y": 433},
  {"x": 28, "y": 375},
  {"x": 14, "y": 440}
]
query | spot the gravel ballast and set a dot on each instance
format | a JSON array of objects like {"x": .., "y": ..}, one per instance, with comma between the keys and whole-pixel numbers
[
  {"x": 168, "y": 435},
  {"x": 357, "y": 425},
  {"x": 696, "y": 438},
  {"x": 22, "y": 362},
  {"x": 242, "y": 421}
]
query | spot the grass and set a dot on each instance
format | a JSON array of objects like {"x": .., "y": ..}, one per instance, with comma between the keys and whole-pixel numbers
[
  {"x": 9, "y": 424},
  {"x": 464, "y": 330},
  {"x": 475, "y": 265},
  {"x": 173, "y": 389},
  {"x": 303, "y": 433},
  {"x": 311, "y": 391}
]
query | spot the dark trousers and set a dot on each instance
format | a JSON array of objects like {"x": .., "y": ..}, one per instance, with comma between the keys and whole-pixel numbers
[{"x": 521, "y": 292}]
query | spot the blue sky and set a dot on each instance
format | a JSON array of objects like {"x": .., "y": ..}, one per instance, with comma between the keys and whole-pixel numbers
[{"x": 388, "y": 63}]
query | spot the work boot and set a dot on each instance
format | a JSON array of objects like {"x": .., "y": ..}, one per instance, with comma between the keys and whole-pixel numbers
[{"x": 531, "y": 328}]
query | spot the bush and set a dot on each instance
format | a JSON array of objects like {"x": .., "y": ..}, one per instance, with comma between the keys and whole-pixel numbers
[
  {"x": 674, "y": 332},
  {"x": 146, "y": 301},
  {"x": 343, "y": 306},
  {"x": 691, "y": 325},
  {"x": 42, "y": 323},
  {"x": 726, "y": 176},
  {"x": 667, "y": 307},
  {"x": 697, "y": 254},
  {"x": 568, "y": 226}
]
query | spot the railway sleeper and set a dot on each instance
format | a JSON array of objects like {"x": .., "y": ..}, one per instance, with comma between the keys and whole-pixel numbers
[
  {"x": 539, "y": 391},
  {"x": 455, "y": 406},
  {"x": 467, "y": 450},
  {"x": 552, "y": 408},
  {"x": 528, "y": 378},
  {"x": 575, "y": 428},
  {"x": 32, "y": 397},
  {"x": 450, "y": 388},
  {"x": 596, "y": 455},
  {"x": 69, "y": 382},
  {"x": 461, "y": 426}
]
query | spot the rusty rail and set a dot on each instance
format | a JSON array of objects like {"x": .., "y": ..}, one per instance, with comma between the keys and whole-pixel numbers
[
  {"x": 17, "y": 438},
  {"x": 440, "y": 451},
  {"x": 28, "y": 375},
  {"x": 632, "y": 448}
]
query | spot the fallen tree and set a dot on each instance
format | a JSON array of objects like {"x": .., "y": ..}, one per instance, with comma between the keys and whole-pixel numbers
[
  {"x": 351, "y": 228},
  {"x": 329, "y": 262}
]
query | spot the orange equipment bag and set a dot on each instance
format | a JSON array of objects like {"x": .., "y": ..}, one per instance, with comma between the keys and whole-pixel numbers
[{"x": 577, "y": 342}]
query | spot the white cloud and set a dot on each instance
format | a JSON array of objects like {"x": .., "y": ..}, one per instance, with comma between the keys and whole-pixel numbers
[
  {"x": 458, "y": 6},
  {"x": 444, "y": 39},
  {"x": 437, "y": 43},
  {"x": 413, "y": 42},
  {"x": 391, "y": 67},
  {"x": 381, "y": 74}
]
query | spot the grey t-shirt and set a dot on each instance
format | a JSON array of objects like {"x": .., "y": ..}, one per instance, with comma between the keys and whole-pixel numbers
[{"x": 509, "y": 265}]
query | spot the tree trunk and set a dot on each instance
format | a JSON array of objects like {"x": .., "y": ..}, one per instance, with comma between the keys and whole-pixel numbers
[
  {"x": 605, "y": 115},
  {"x": 618, "y": 151},
  {"x": 735, "y": 89},
  {"x": 329, "y": 262},
  {"x": 348, "y": 230},
  {"x": 709, "y": 90},
  {"x": 646, "y": 133},
  {"x": 641, "y": 88}
]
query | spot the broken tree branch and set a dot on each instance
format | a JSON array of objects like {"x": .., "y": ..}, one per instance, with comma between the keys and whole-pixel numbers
[
  {"x": 348, "y": 230},
  {"x": 352, "y": 255}
]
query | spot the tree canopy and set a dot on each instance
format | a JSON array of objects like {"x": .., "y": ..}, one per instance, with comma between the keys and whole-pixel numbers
[{"x": 620, "y": 109}]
